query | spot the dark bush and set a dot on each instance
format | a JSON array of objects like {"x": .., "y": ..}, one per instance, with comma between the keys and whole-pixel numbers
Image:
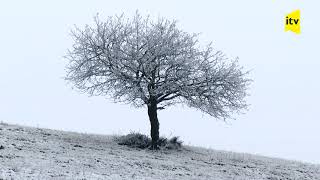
[
  {"x": 135, "y": 140},
  {"x": 138, "y": 140}
]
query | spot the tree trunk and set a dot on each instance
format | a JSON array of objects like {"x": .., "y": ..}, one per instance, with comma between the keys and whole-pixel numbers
[{"x": 152, "y": 112}]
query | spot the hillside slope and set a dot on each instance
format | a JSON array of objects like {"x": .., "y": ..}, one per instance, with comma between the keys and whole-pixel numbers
[{"x": 34, "y": 153}]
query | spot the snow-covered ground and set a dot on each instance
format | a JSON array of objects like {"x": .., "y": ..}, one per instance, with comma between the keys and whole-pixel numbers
[{"x": 34, "y": 153}]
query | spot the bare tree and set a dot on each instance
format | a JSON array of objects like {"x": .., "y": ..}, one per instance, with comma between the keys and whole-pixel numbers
[{"x": 154, "y": 63}]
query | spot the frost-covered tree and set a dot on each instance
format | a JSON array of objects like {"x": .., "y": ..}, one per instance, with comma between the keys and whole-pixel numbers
[{"x": 154, "y": 64}]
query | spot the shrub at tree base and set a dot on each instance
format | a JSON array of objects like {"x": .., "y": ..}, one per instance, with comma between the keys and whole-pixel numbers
[{"x": 138, "y": 140}]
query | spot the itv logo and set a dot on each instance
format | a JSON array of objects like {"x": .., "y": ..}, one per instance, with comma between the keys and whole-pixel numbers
[{"x": 292, "y": 22}]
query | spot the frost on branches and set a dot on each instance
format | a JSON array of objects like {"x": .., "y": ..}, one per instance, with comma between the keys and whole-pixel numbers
[{"x": 153, "y": 63}]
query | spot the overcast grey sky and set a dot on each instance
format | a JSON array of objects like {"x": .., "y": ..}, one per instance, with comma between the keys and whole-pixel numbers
[{"x": 283, "y": 119}]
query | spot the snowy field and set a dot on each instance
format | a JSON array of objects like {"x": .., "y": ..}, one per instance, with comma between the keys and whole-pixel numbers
[{"x": 34, "y": 153}]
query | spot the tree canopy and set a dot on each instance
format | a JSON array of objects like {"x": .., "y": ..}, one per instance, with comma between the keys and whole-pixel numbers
[{"x": 139, "y": 60}]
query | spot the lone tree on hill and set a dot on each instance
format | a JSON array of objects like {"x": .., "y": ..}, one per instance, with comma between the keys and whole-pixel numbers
[{"x": 154, "y": 63}]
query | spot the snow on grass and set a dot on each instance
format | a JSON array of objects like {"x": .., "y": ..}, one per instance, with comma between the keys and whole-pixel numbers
[{"x": 34, "y": 153}]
